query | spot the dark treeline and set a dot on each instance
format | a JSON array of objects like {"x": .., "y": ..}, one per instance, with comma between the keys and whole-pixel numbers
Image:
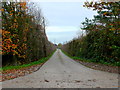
[
  {"x": 101, "y": 40},
  {"x": 23, "y": 34}
]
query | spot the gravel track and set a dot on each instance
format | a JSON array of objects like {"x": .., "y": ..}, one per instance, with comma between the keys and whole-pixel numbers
[{"x": 62, "y": 72}]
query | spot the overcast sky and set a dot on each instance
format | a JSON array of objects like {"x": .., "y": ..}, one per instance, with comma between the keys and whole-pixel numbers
[{"x": 64, "y": 19}]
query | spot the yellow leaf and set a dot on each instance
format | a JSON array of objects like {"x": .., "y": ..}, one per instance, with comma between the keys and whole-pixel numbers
[
  {"x": 11, "y": 14},
  {"x": 2, "y": 9}
]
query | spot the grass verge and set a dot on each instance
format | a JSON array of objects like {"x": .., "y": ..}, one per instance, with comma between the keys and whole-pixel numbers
[
  {"x": 43, "y": 60},
  {"x": 91, "y": 60}
]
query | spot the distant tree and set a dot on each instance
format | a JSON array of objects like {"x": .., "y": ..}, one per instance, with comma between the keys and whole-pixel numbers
[{"x": 59, "y": 45}]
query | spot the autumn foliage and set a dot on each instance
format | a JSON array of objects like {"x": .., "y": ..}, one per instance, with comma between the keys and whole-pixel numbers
[
  {"x": 23, "y": 39},
  {"x": 8, "y": 46}
]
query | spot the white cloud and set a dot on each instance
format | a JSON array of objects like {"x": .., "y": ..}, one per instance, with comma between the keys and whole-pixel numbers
[
  {"x": 61, "y": 29},
  {"x": 64, "y": 19},
  {"x": 61, "y": 0},
  {"x": 60, "y": 34}
]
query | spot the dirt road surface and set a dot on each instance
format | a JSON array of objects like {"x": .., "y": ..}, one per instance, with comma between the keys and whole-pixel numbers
[{"x": 62, "y": 72}]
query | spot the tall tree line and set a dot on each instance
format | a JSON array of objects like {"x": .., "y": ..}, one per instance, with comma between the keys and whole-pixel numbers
[
  {"x": 102, "y": 40},
  {"x": 23, "y": 34}
]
